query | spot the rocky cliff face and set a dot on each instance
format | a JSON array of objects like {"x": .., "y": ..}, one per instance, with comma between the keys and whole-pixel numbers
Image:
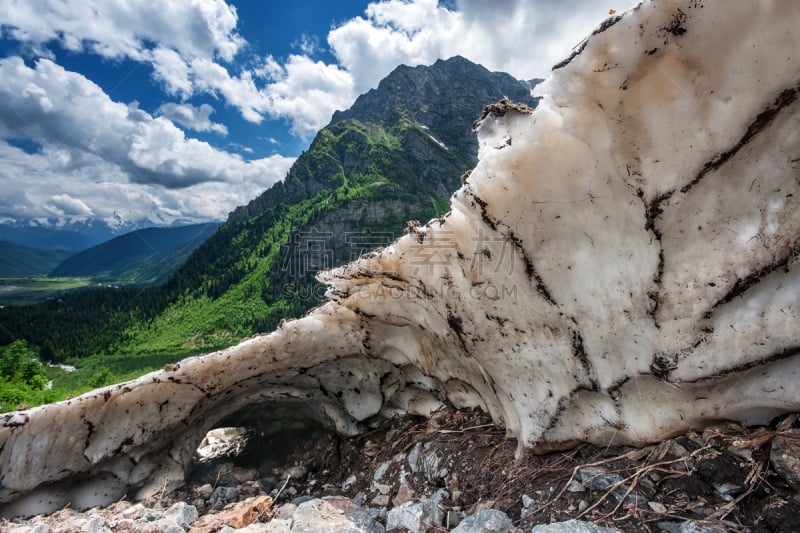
[
  {"x": 396, "y": 155},
  {"x": 415, "y": 129},
  {"x": 439, "y": 98},
  {"x": 620, "y": 265}
]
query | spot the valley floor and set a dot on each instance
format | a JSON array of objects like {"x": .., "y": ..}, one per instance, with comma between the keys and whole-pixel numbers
[{"x": 32, "y": 290}]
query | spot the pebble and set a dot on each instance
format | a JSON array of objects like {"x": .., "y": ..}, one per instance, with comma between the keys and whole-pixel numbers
[
  {"x": 486, "y": 521},
  {"x": 785, "y": 457},
  {"x": 693, "y": 526},
  {"x": 295, "y": 472},
  {"x": 182, "y": 513},
  {"x": 575, "y": 486},
  {"x": 351, "y": 479},
  {"x": 410, "y": 515},
  {"x": 381, "y": 500},
  {"x": 573, "y": 526}
]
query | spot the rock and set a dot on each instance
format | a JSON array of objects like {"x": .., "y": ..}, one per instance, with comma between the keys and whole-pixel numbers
[
  {"x": 418, "y": 516},
  {"x": 527, "y": 501},
  {"x": 134, "y": 511},
  {"x": 573, "y": 526},
  {"x": 379, "y": 514},
  {"x": 279, "y": 525},
  {"x": 255, "y": 528},
  {"x": 785, "y": 457},
  {"x": 220, "y": 442},
  {"x": 381, "y": 471},
  {"x": 14, "y": 528},
  {"x": 486, "y": 521},
  {"x": 182, "y": 513},
  {"x": 253, "y": 510},
  {"x": 294, "y": 472},
  {"x": 332, "y": 515},
  {"x": 382, "y": 488},
  {"x": 238, "y": 515},
  {"x": 225, "y": 494},
  {"x": 347, "y": 483},
  {"x": 96, "y": 524},
  {"x": 483, "y": 505},
  {"x": 302, "y": 499},
  {"x": 284, "y": 511},
  {"x": 436, "y": 509},
  {"x": 204, "y": 491},
  {"x": 410, "y": 516},
  {"x": 596, "y": 478},
  {"x": 168, "y": 526},
  {"x": 657, "y": 507},
  {"x": 430, "y": 466},
  {"x": 453, "y": 519},
  {"x": 693, "y": 526},
  {"x": 575, "y": 486},
  {"x": 123, "y": 524},
  {"x": 404, "y": 494},
  {"x": 240, "y": 475},
  {"x": 414, "y": 457},
  {"x": 381, "y": 500},
  {"x": 268, "y": 483}
]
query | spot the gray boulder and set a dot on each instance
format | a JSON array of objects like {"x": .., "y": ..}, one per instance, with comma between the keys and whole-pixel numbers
[{"x": 488, "y": 520}]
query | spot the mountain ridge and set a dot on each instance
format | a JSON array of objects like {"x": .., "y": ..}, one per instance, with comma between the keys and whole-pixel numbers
[
  {"x": 17, "y": 261},
  {"x": 143, "y": 257},
  {"x": 359, "y": 183}
]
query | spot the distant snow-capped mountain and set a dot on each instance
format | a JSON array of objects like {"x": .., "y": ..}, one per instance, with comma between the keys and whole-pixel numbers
[{"x": 75, "y": 233}]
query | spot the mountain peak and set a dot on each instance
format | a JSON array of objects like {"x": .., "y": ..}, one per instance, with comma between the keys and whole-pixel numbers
[{"x": 441, "y": 97}]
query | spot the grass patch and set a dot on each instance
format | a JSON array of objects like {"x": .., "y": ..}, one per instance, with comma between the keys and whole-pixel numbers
[{"x": 31, "y": 290}]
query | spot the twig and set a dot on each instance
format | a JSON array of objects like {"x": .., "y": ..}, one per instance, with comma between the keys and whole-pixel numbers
[
  {"x": 163, "y": 489},
  {"x": 465, "y": 429},
  {"x": 635, "y": 480},
  {"x": 574, "y": 473},
  {"x": 283, "y": 487}
]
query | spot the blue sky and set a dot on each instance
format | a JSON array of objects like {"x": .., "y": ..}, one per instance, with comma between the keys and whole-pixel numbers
[{"x": 179, "y": 111}]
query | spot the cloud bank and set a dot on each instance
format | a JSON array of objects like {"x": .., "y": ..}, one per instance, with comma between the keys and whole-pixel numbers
[
  {"x": 190, "y": 46},
  {"x": 93, "y": 145},
  {"x": 95, "y": 152}
]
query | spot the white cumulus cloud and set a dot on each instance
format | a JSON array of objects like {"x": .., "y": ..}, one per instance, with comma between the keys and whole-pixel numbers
[
  {"x": 307, "y": 92},
  {"x": 194, "y": 118},
  {"x": 66, "y": 205},
  {"x": 88, "y": 139},
  {"x": 126, "y": 28}
]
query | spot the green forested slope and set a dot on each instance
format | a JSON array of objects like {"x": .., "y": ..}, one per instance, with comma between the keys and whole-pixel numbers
[
  {"x": 141, "y": 257},
  {"x": 18, "y": 261},
  {"x": 396, "y": 155}
]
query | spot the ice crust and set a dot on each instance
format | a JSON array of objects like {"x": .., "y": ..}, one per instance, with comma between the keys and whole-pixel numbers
[{"x": 621, "y": 265}]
